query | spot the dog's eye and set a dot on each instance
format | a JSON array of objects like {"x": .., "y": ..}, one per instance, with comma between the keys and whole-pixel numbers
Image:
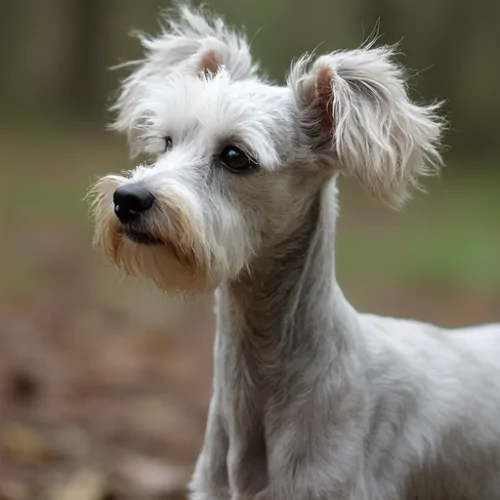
[
  {"x": 235, "y": 160},
  {"x": 168, "y": 143}
]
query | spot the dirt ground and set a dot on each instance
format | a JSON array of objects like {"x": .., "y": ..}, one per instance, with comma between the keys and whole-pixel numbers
[{"x": 91, "y": 394}]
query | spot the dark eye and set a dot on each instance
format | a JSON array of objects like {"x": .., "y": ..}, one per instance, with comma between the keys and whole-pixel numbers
[
  {"x": 236, "y": 160},
  {"x": 168, "y": 143}
]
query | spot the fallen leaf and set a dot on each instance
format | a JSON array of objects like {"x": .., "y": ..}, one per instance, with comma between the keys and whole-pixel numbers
[
  {"x": 155, "y": 477},
  {"x": 24, "y": 443},
  {"x": 85, "y": 484}
]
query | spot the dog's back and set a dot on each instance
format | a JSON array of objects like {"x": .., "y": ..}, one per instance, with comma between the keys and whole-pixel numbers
[{"x": 434, "y": 410}]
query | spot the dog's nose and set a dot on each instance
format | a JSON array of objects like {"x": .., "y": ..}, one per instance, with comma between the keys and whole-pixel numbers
[{"x": 131, "y": 201}]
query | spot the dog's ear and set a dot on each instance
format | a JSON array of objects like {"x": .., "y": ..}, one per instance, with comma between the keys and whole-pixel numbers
[
  {"x": 195, "y": 41},
  {"x": 356, "y": 102},
  {"x": 191, "y": 42}
]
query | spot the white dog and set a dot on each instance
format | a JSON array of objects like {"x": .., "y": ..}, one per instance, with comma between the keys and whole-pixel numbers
[{"x": 312, "y": 400}]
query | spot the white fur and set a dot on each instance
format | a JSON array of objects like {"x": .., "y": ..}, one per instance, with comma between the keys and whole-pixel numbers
[
  {"x": 182, "y": 43},
  {"x": 380, "y": 136},
  {"x": 312, "y": 400}
]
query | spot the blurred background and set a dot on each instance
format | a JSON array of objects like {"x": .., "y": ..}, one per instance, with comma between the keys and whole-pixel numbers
[{"x": 104, "y": 385}]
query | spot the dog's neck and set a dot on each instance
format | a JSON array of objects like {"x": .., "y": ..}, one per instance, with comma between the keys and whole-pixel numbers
[{"x": 288, "y": 299}]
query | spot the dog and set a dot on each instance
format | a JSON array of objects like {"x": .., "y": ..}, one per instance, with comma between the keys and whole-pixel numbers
[{"x": 312, "y": 400}]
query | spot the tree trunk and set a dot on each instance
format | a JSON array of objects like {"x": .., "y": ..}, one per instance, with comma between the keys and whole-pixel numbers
[{"x": 86, "y": 64}]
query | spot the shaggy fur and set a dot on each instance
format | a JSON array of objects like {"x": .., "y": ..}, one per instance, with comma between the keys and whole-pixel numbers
[{"x": 311, "y": 399}]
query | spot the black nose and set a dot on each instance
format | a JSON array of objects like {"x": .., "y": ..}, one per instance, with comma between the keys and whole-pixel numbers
[{"x": 131, "y": 201}]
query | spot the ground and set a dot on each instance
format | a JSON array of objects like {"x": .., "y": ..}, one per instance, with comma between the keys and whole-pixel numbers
[{"x": 104, "y": 385}]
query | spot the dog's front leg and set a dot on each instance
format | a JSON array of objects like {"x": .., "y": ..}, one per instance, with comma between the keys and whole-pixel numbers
[
  {"x": 334, "y": 474},
  {"x": 210, "y": 477},
  {"x": 317, "y": 457}
]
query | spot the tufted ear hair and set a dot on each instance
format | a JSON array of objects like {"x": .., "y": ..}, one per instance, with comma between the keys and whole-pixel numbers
[
  {"x": 191, "y": 42},
  {"x": 357, "y": 102}
]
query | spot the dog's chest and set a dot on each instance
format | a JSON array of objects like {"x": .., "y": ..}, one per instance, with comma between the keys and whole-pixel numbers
[
  {"x": 246, "y": 388},
  {"x": 253, "y": 378},
  {"x": 249, "y": 382}
]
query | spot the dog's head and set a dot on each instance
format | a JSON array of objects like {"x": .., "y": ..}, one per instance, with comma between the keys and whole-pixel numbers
[{"x": 236, "y": 160}]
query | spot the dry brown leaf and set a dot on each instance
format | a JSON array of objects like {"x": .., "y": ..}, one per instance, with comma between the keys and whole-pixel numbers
[
  {"x": 154, "y": 477},
  {"x": 24, "y": 443},
  {"x": 84, "y": 484}
]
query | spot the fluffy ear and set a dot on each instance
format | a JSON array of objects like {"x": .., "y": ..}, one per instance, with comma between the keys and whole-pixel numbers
[
  {"x": 357, "y": 100},
  {"x": 191, "y": 42}
]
